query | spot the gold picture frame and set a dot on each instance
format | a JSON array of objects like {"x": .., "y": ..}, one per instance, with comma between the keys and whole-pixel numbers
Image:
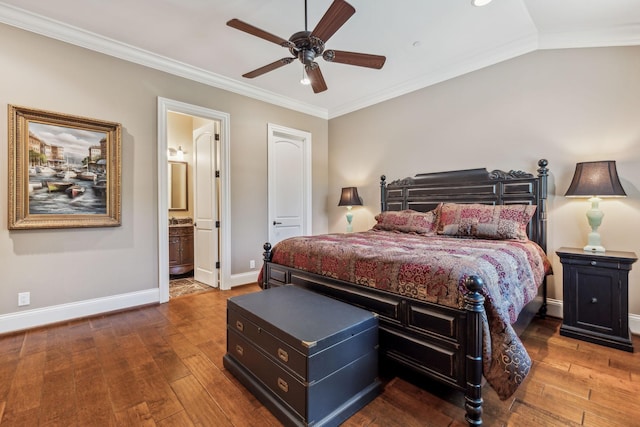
[{"x": 64, "y": 170}]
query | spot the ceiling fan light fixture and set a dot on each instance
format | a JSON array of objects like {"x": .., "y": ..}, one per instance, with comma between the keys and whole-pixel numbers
[
  {"x": 305, "y": 80},
  {"x": 480, "y": 2}
]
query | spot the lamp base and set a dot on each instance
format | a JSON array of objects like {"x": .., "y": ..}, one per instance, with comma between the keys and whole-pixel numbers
[
  {"x": 349, "y": 219},
  {"x": 593, "y": 244},
  {"x": 594, "y": 215}
]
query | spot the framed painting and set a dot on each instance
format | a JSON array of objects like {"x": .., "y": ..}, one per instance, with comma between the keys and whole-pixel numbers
[{"x": 64, "y": 171}]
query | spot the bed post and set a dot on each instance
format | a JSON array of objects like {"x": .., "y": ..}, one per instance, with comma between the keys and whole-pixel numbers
[
  {"x": 383, "y": 193},
  {"x": 266, "y": 257},
  {"x": 543, "y": 172},
  {"x": 474, "y": 305}
]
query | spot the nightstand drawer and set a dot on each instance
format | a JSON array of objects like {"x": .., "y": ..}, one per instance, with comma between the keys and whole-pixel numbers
[{"x": 590, "y": 262}]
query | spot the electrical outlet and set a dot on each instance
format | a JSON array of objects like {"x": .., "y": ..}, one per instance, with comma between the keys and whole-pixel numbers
[
  {"x": 24, "y": 298},
  {"x": 252, "y": 263}
]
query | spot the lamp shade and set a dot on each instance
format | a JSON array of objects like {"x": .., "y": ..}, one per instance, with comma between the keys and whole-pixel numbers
[
  {"x": 349, "y": 197},
  {"x": 593, "y": 179}
]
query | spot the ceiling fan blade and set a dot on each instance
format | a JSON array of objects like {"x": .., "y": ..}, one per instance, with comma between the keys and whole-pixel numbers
[
  {"x": 354, "y": 58},
  {"x": 337, "y": 14},
  {"x": 315, "y": 75},
  {"x": 255, "y": 31},
  {"x": 269, "y": 67}
]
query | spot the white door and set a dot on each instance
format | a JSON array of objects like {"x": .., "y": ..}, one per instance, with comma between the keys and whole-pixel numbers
[
  {"x": 289, "y": 157},
  {"x": 205, "y": 234}
]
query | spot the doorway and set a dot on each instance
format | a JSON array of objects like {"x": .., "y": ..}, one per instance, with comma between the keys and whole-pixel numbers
[
  {"x": 289, "y": 180},
  {"x": 165, "y": 106}
]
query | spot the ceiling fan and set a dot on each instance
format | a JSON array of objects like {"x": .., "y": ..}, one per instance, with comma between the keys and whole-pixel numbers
[{"x": 306, "y": 45}]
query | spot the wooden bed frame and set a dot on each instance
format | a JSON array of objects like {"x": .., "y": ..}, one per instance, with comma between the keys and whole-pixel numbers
[{"x": 439, "y": 342}]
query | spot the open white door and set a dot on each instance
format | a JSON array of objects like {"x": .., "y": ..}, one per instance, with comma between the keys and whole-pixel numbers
[
  {"x": 289, "y": 175},
  {"x": 205, "y": 234}
]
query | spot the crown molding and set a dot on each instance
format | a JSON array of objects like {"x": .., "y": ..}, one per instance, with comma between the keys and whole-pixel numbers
[
  {"x": 628, "y": 35},
  {"x": 60, "y": 31}
]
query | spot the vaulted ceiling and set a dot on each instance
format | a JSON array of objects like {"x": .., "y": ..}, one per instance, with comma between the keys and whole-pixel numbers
[{"x": 424, "y": 41}]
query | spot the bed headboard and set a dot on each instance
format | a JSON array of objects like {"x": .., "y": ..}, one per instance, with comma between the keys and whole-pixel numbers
[{"x": 424, "y": 191}]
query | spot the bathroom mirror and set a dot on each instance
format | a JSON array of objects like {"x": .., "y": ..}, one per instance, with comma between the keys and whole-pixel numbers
[{"x": 177, "y": 186}]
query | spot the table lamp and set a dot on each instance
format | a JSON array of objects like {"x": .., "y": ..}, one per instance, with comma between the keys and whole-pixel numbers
[
  {"x": 595, "y": 180},
  {"x": 349, "y": 198}
]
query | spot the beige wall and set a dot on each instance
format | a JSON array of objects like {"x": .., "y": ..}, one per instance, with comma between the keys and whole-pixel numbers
[
  {"x": 73, "y": 265},
  {"x": 563, "y": 105}
]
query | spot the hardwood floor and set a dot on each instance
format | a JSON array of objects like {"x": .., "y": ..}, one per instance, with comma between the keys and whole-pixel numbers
[{"x": 162, "y": 366}]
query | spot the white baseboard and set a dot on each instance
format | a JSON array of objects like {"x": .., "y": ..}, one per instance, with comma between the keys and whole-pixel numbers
[
  {"x": 554, "y": 309},
  {"x": 28, "y": 319},
  {"x": 59, "y": 313},
  {"x": 634, "y": 324},
  {"x": 244, "y": 278}
]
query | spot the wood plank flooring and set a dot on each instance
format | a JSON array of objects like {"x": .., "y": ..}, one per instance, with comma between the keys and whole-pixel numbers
[{"x": 162, "y": 366}]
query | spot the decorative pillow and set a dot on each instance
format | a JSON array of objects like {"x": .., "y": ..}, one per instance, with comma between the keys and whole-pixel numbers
[
  {"x": 408, "y": 221},
  {"x": 485, "y": 221}
]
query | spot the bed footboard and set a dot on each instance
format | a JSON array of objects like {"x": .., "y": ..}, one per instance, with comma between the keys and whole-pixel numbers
[{"x": 439, "y": 342}]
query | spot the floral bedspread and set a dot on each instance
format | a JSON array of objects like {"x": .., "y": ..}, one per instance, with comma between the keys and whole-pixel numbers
[{"x": 433, "y": 269}]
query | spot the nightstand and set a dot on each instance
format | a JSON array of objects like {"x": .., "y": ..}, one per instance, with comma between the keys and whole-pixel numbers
[{"x": 596, "y": 296}]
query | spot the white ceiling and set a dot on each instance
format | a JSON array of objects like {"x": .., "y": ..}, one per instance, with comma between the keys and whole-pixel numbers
[{"x": 425, "y": 41}]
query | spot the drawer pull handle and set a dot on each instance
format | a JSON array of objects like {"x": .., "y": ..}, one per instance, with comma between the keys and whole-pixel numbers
[
  {"x": 593, "y": 262},
  {"x": 283, "y": 355},
  {"x": 239, "y": 350},
  {"x": 594, "y": 300},
  {"x": 239, "y": 325},
  {"x": 283, "y": 385}
]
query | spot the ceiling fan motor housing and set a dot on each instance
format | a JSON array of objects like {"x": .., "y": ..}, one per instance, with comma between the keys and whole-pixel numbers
[{"x": 306, "y": 48}]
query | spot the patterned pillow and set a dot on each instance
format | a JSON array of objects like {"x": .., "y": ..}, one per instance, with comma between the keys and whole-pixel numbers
[
  {"x": 485, "y": 221},
  {"x": 408, "y": 221}
]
